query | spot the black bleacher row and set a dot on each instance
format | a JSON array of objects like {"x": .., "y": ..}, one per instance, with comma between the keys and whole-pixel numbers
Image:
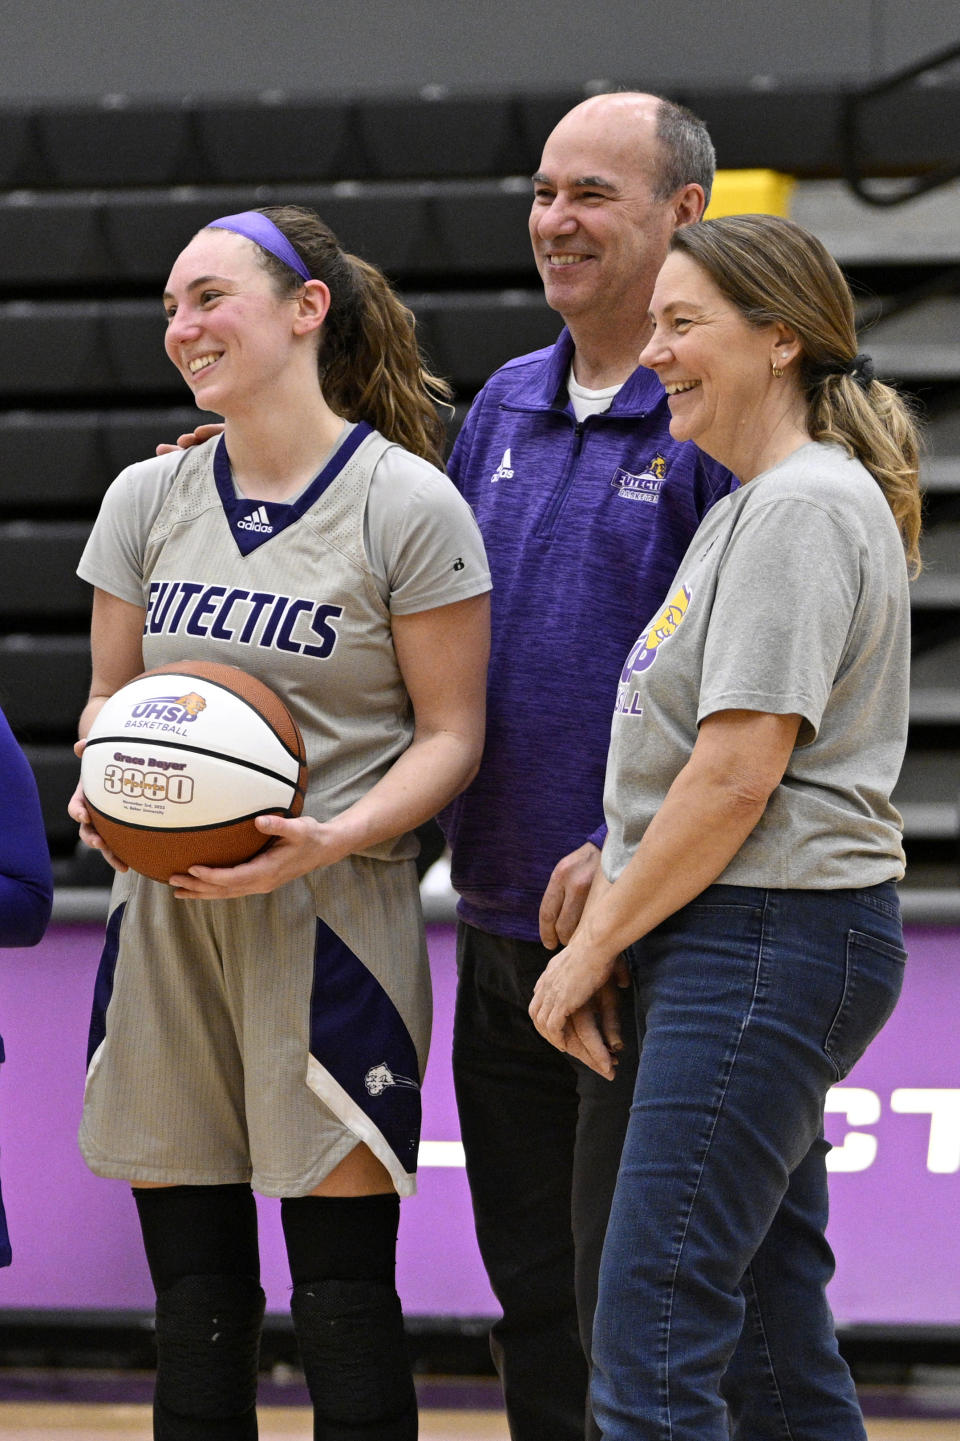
[
  {"x": 182, "y": 141},
  {"x": 416, "y": 230},
  {"x": 55, "y": 465},
  {"x": 43, "y": 687},
  {"x": 76, "y": 350}
]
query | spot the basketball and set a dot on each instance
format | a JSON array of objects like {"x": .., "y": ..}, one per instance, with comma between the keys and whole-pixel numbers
[{"x": 180, "y": 762}]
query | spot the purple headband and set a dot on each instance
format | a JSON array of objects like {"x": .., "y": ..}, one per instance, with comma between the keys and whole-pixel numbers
[{"x": 262, "y": 231}]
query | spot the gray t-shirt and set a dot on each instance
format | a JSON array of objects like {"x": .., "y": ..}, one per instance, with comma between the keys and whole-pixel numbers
[{"x": 792, "y": 598}]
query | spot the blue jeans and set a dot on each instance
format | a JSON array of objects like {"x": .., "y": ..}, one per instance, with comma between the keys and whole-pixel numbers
[{"x": 712, "y": 1319}]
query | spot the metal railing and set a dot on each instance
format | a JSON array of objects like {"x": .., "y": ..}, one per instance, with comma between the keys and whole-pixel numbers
[{"x": 851, "y": 136}]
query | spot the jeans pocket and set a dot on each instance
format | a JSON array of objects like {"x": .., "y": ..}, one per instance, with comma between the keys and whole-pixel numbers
[{"x": 872, "y": 982}]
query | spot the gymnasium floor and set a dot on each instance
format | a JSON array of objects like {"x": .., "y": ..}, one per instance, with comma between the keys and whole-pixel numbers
[
  {"x": 450, "y": 1410},
  {"x": 132, "y": 1423}
]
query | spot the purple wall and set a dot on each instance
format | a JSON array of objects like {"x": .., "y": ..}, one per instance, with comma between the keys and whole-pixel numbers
[
  {"x": 894, "y": 1223},
  {"x": 897, "y": 1130}
]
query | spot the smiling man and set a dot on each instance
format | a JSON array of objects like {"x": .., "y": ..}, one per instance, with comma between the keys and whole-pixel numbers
[
  {"x": 602, "y": 216},
  {"x": 587, "y": 505}
]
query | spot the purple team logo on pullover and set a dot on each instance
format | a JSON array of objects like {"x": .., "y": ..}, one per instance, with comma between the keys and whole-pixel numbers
[{"x": 645, "y": 487}]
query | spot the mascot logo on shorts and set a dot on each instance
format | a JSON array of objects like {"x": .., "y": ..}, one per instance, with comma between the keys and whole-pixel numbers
[{"x": 379, "y": 1078}]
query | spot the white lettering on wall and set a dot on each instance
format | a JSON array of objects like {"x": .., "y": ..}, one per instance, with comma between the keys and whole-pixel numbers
[
  {"x": 943, "y": 1108},
  {"x": 861, "y": 1107}
]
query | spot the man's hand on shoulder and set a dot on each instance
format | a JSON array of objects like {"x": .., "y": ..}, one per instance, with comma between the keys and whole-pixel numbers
[
  {"x": 566, "y": 895},
  {"x": 192, "y": 437}
]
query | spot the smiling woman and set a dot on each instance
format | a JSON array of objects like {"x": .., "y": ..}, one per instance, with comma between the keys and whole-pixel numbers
[
  {"x": 228, "y": 333},
  {"x": 245, "y": 1017},
  {"x": 722, "y": 373},
  {"x": 781, "y": 280},
  {"x": 750, "y": 865}
]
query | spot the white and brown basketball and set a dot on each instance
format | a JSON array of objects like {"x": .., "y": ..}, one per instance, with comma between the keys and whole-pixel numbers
[{"x": 181, "y": 760}]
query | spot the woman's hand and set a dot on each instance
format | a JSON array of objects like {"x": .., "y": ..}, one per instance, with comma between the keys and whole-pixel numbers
[
  {"x": 576, "y": 1008},
  {"x": 77, "y": 810},
  {"x": 299, "y": 846}
]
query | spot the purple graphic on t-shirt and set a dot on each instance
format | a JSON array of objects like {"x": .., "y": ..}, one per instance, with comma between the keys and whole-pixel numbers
[{"x": 660, "y": 629}]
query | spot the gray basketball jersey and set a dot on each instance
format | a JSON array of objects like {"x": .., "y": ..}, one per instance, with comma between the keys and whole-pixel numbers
[
  {"x": 334, "y": 1040},
  {"x": 304, "y": 609}
]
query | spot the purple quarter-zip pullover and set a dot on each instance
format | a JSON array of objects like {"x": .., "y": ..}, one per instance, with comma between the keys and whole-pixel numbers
[{"x": 584, "y": 525}]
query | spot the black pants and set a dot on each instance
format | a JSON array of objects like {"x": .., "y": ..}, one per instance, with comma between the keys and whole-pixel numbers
[{"x": 543, "y": 1136}]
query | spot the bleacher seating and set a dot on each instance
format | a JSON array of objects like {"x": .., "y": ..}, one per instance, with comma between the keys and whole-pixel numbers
[
  {"x": 120, "y": 142},
  {"x": 96, "y": 200}
]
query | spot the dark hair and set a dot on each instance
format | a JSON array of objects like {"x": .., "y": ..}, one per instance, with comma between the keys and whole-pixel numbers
[
  {"x": 687, "y": 153},
  {"x": 773, "y": 270},
  {"x": 370, "y": 363}
]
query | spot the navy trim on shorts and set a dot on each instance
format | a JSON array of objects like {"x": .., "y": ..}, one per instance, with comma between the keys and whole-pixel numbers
[
  {"x": 103, "y": 988},
  {"x": 359, "y": 1037}
]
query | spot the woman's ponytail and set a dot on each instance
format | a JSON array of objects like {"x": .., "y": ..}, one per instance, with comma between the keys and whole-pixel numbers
[{"x": 873, "y": 423}]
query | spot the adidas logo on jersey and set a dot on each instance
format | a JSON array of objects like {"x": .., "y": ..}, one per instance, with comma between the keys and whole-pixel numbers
[
  {"x": 258, "y": 521},
  {"x": 503, "y": 470}
]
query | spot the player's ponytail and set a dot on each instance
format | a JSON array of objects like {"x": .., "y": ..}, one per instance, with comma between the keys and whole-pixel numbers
[
  {"x": 375, "y": 371},
  {"x": 370, "y": 363},
  {"x": 773, "y": 270}
]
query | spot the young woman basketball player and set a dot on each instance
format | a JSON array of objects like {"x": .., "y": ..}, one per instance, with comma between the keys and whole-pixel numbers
[{"x": 265, "y": 1026}]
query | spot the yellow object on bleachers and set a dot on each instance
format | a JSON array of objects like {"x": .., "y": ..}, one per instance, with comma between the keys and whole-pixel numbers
[{"x": 750, "y": 192}]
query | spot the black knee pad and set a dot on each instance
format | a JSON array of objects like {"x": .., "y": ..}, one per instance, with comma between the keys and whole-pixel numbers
[
  {"x": 208, "y": 1344},
  {"x": 355, "y": 1360}
]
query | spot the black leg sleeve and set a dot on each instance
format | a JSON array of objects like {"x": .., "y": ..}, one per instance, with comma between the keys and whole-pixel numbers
[
  {"x": 347, "y": 1316},
  {"x": 198, "y": 1231},
  {"x": 201, "y": 1245}
]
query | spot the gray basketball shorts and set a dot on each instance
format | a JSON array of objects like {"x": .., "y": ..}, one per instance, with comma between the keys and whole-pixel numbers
[{"x": 260, "y": 1039}]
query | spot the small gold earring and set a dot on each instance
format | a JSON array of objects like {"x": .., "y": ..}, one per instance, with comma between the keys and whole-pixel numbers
[{"x": 776, "y": 370}]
